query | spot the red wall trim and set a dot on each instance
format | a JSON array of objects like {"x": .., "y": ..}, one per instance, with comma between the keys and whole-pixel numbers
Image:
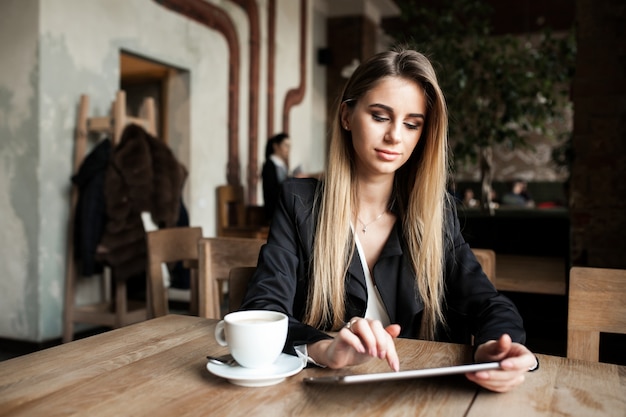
[
  {"x": 252, "y": 12},
  {"x": 215, "y": 18},
  {"x": 271, "y": 52},
  {"x": 295, "y": 96}
]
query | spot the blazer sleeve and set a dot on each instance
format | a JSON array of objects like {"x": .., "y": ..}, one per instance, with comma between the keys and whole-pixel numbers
[
  {"x": 473, "y": 305},
  {"x": 281, "y": 279}
]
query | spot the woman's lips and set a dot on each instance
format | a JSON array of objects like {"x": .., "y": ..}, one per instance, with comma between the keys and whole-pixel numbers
[{"x": 387, "y": 155}]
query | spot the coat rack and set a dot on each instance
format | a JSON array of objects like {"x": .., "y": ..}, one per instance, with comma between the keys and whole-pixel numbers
[{"x": 115, "y": 312}]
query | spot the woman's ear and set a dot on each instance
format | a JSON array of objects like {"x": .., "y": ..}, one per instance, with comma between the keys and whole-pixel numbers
[{"x": 345, "y": 116}]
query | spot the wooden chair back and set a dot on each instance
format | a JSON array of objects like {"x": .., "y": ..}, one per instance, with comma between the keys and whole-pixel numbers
[
  {"x": 235, "y": 218},
  {"x": 597, "y": 303},
  {"x": 487, "y": 260},
  {"x": 238, "y": 280},
  {"x": 171, "y": 245},
  {"x": 217, "y": 256},
  {"x": 231, "y": 209}
]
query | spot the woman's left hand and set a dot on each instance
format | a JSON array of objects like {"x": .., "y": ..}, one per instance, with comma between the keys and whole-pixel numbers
[{"x": 515, "y": 360}]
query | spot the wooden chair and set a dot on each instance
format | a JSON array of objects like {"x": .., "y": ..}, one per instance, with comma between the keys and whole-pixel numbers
[
  {"x": 231, "y": 209},
  {"x": 238, "y": 280},
  {"x": 233, "y": 217},
  {"x": 171, "y": 245},
  {"x": 597, "y": 303},
  {"x": 487, "y": 260},
  {"x": 216, "y": 257}
]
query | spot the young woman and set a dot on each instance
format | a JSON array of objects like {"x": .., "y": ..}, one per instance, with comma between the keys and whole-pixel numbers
[{"x": 374, "y": 251}]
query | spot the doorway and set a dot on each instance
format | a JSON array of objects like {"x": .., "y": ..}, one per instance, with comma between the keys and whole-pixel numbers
[{"x": 141, "y": 77}]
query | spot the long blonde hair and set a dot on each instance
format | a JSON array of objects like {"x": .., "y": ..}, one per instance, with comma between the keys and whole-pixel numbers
[{"x": 419, "y": 194}]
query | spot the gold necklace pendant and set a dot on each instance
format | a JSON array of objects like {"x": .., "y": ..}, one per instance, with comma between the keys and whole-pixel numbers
[{"x": 365, "y": 225}]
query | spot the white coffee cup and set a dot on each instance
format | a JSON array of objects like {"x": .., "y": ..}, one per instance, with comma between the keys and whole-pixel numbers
[{"x": 255, "y": 337}]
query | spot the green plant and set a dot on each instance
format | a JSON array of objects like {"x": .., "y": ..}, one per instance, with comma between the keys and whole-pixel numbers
[{"x": 499, "y": 89}]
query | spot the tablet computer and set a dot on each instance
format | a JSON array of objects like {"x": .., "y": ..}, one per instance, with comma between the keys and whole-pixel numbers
[{"x": 394, "y": 376}]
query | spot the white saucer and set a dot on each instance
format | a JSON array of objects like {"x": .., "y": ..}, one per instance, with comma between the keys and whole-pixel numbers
[{"x": 285, "y": 365}]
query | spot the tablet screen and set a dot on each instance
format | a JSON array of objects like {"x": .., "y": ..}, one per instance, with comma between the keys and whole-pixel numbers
[{"x": 393, "y": 376}]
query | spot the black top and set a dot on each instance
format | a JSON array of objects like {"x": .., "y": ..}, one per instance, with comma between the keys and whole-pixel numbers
[
  {"x": 472, "y": 304},
  {"x": 271, "y": 188}
]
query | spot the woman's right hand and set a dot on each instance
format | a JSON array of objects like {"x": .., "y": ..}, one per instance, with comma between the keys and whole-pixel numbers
[{"x": 357, "y": 342}]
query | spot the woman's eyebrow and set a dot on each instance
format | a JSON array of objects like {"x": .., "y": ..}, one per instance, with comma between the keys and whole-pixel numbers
[{"x": 390, "y": 110}]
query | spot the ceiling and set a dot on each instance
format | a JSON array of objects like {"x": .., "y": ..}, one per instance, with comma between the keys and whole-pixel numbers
[{"x": 134, "y": 68}]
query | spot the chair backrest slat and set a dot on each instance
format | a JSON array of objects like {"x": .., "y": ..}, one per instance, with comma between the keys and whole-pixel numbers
[
  {"x": 168, "y": 245},
  {"x": 217, "y": 256},
  {"x": 597, "y": 304},
  {"x": 238, "y": 280}
]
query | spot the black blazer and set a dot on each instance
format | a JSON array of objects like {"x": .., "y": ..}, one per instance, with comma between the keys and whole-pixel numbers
[
  {"x": 472, "y": 305},
  {"x": 271, "y": 188}
]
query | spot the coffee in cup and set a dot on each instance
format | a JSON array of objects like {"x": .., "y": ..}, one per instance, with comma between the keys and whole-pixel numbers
[{"x": 255, "y": 337}]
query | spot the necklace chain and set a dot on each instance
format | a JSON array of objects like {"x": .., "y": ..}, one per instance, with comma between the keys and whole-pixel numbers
[{"x": 366, "y": 225}]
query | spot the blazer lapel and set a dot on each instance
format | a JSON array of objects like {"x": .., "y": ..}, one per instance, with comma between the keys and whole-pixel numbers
[
  {"x": 356, "y": 288},
  {"x": 387, "y": 272}
]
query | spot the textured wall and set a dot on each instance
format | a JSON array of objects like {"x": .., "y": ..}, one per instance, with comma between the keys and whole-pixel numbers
[
  {"x": 532, "y": 164},
  {"x": 55, "y": 50},
  {"x": 19, "y": 156},
  {"x": 66, "y": 48}
]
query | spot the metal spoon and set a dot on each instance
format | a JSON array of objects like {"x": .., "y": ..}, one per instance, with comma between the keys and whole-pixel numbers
[{"x": 227, "y": 360}]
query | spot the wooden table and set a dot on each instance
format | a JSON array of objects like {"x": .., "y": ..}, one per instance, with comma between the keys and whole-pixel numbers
[
  {"x": 531, "y": 274},
  {"x": 158, "y": 368}
]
